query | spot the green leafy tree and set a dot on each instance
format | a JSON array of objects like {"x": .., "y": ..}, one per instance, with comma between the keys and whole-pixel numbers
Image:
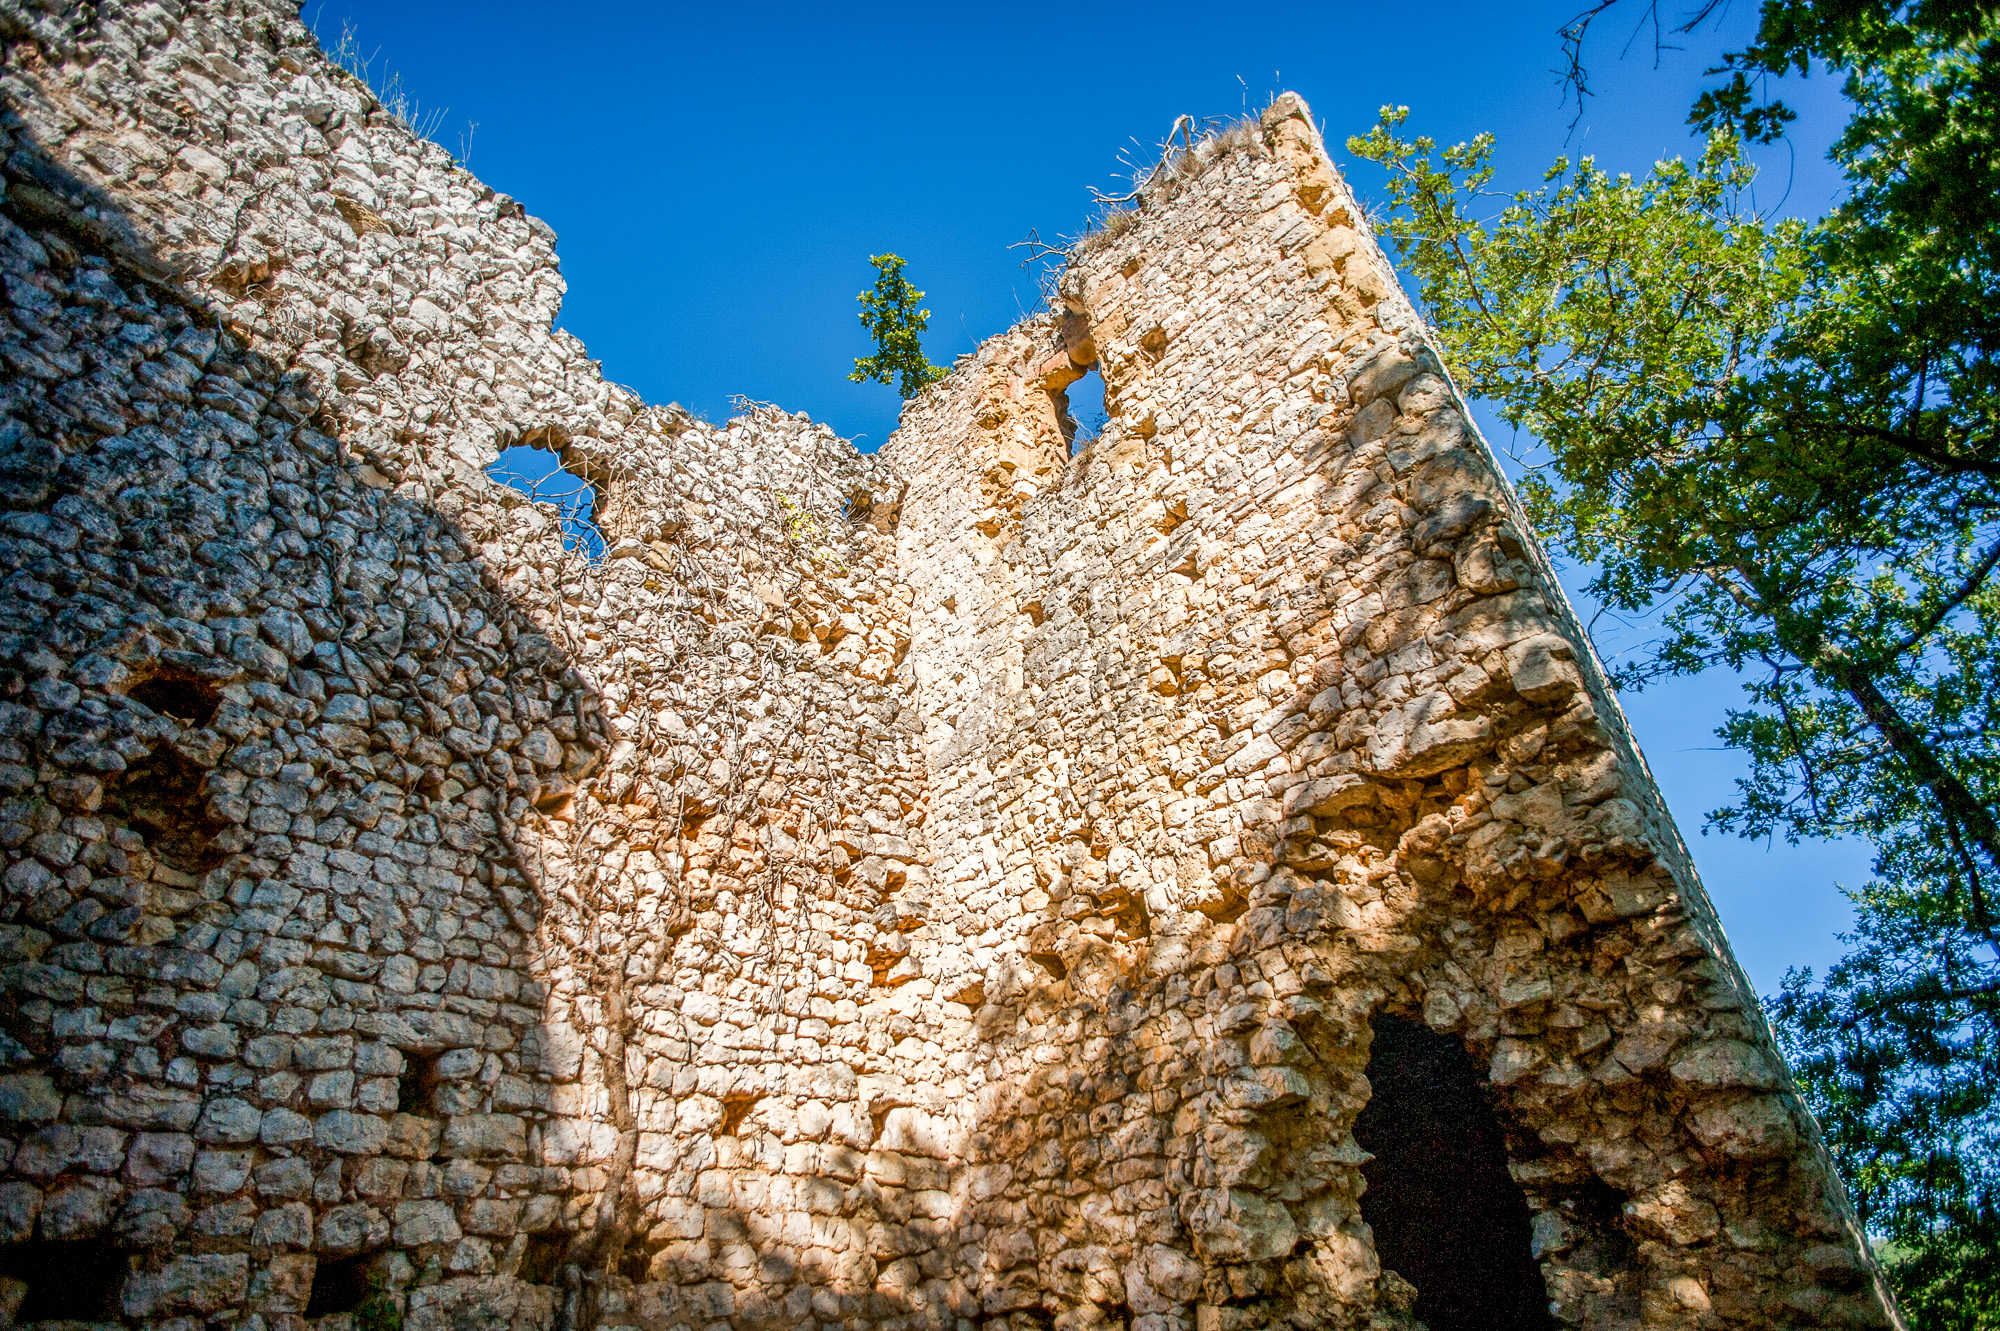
[
  {"x": 1778, "y": 438},
  {"x": 1899, "y": 1056},
  {"x": 890, "y": 314}
]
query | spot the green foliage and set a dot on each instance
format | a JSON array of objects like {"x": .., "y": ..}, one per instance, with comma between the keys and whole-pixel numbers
[
  {"x": 1778, "y": 437},
  {"x": 804, "y": 530},
  {"x": 890, "y": 314},
  {"x": 1714, "y": 448},
  {"x": 1898, "y": 1056},
  {"x": 380, "y": 1311}
]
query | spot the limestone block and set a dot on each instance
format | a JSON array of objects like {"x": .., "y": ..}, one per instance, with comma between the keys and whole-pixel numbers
[
  {"x": 1674, "y": 1212},
  {"x": 144, "y": 1107},
  {"x": 423, "y": 1222},
  {"x": 229, "y": 1122},
  {"x": 27, "y": 1098},
  {"x": 159, "y": 1157},
  {"x": 202, "y": 1283},
  {"x": 20, "y": 1204},
  {"x": 351, "y": 1228},
  {"x": 284, "y": 1285},
  {"x": 1756, "y": 1127},
  {"x": 284, "y": 1127},
  {"x": 1717, "y": 1064},
  {"x": 289, "y": 1225},
  {"x": 486, "y": 1136},
  {"x": 1541, "y": 670},
  {"x": 1235, "y": 1225},
  {"x": 79, "y": 1209},
  {"x": 350, "y": 1133}
]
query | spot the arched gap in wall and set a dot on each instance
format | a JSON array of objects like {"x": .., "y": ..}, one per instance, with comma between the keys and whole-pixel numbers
[
  {"x": 1447, "y": 1215},
  {"x": 1080, "y": 408},
  {"x": 538, "y": 473}
]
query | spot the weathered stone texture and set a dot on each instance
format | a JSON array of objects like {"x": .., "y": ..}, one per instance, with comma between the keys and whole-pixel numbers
[{"x": 939, "y": 889}]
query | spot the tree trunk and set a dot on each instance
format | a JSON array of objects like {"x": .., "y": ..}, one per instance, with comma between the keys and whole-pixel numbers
[{"x": 1958, "y": 804}]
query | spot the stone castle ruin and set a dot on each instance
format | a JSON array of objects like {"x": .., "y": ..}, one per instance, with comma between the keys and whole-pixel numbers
[{"x": 1194, "y": 881}]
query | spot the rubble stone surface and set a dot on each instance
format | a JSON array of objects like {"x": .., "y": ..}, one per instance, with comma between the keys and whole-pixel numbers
[{"x": 947, "y": 888}]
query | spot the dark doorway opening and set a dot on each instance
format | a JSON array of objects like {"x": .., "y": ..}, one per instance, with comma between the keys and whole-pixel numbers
[
  {"x": 67, "y": 1281},
  {"x": 1447, "y": 1216}
]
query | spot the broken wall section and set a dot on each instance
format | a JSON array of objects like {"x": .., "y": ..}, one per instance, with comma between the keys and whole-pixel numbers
[
  {"x": 330, "y": 774},
  {"x": 1261, "y": 719}
]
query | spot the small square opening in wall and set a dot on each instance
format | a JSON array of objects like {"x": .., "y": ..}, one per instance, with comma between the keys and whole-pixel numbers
[
  {"x": 357, "y": 1285},
  {"x": 66, "y": 1281},
  {"x": 539, "y": 474},
  {"x": 636, "y": 1262},
  {"x": 418, "y": 1080}
]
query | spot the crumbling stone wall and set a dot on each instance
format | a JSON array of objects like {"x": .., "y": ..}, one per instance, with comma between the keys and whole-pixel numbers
[
  {"x": 307, "y": 918},
  {"x": 953, "y": 887},
  {"x": 1262, "y": 717}
]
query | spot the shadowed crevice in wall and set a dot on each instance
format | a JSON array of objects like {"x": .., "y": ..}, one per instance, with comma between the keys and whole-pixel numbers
[{"x": 77, "y": 1280}]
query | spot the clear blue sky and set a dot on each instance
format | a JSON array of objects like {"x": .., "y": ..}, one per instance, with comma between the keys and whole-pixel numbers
[{"x": 718, "y": 175}]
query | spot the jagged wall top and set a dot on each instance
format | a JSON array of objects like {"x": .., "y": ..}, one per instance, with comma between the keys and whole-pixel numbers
[{"x": 973, "y": 911}]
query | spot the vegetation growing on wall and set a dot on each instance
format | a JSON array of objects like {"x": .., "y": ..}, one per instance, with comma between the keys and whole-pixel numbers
[{"x": 891, "y": 315}]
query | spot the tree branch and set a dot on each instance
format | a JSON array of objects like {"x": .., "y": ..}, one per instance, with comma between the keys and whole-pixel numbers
[
  {"x": 1868, "y": 1011},
  {"x": 1973, "y": 581}
]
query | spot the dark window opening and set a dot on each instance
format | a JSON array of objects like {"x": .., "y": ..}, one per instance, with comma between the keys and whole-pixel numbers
[
  {"x": 187, "y": 698},
  {"x": 161, "y": 796},
  {"x": 343, "y": 1286},
  {"x": 1080, "y": 408},
  {"x": 543, "y": 1257},
  {"x": 1447, "y": 1216},
  {"x": 71, "y": 1281},
  {"x": 538, "y": 473},
  {"x": 414, "y": 1087}
]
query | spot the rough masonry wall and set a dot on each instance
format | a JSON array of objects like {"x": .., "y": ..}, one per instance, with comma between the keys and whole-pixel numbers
[
  {"x": 310, "y": 933},
  {"x": 1260, "y": 718},
  {"x": 943, "y": 889}
]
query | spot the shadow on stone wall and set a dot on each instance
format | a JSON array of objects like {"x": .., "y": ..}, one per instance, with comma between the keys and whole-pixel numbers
[{"x": 268, "y": 726}]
